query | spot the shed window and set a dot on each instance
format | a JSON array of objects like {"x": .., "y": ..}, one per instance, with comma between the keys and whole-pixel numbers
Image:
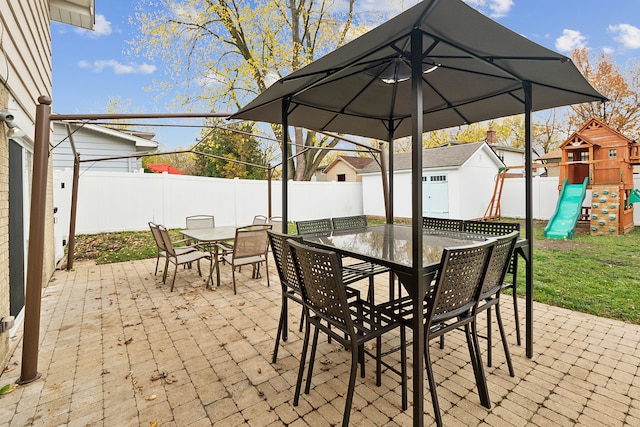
[
  {"x": 342, "y": 177},
  {"x": 612, "y": 154}
]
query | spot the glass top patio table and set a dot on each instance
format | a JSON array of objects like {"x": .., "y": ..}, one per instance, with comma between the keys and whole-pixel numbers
[{"x": 390, "y": 244}]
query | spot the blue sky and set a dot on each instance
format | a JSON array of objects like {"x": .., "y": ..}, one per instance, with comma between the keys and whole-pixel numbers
[{"x": 90, "y": 67}]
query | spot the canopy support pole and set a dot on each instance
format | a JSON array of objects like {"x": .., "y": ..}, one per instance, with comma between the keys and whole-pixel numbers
[
  {"x": 385, "y": 186},
  {"x": 528, "y": 102},
  {"x": 390, "y": 213},
  {"x": 71, "y": 246},
  {"x": 285, "y": 165},
  {"x": 416, "y": 226},
  {"x": 37, "y": 228}
]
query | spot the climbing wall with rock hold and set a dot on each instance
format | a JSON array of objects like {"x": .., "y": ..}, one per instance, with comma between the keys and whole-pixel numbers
[{"x": 605, "y": 207}]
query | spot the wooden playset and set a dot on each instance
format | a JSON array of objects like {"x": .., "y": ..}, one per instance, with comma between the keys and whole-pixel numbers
[{"x": 606, "y": 158}]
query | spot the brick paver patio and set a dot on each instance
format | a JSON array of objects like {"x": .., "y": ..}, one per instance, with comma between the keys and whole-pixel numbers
[{"x": 118, "y": 349}]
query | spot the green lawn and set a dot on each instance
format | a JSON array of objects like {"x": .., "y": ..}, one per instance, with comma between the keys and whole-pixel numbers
[{"x": 592, "y": 274}]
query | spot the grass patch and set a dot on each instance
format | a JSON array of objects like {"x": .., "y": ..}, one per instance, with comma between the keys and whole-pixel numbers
[{"x": 591, "y": 274}]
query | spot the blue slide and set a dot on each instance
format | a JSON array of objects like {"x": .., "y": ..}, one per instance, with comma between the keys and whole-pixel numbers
[{"x": 563, "y": 222}]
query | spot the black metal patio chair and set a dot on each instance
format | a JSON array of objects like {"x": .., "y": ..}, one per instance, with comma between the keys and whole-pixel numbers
[
  {"x": 491, "y": 288},
  {"x": 448, "y": 224},
  {"x": 494, "y": 228},
  {"x": 452, "y": 304},
  {"x": 328, "y": 310}
]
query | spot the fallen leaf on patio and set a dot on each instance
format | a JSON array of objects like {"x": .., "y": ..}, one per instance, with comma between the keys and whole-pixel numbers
[
  {"x": 259, "y": 370},
  {"x": 129, "y": 375},
  {"x": 241, "y": 303},
  {"x": 128, "y": 341},
  {"x": 105, "y": 372},
  {"x": 152, "y": 397},
  {"x": 7, "y": 389},
  {"x": 222, "y": 344},
  {"x": 153, "y": 424},
  {"x": 115, "y": 293},
  {"x": 261, "y": 393},
  {"x": 158, "y": 375},
  {"x": 170, "y": 380}
]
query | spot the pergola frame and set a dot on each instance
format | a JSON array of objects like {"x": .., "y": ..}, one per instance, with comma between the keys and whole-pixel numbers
[{"x": 37, "y": 224}]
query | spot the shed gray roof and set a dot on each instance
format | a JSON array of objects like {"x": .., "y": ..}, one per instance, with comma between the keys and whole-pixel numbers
[{"x": 446, "y": 156}]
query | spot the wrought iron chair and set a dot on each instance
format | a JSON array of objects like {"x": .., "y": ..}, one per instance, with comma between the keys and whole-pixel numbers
[
  {"x": 448, "y": 224},
  {"x": 327, "y": 309},
  {"x": 452, "y": 304},
  {"x": 490, "y": 293},
  {"x": 366, "y": 267},
  {"x": 314, "y": 226},
  {"x": 290, "y": 286},
  {"x": 183, "y": 258},
  {"x": 499, "y": 229},
  {"x": 162, "y": 252},
  {"x": 249, "y": 248}
]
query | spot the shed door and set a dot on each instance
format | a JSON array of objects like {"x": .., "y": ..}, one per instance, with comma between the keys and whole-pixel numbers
[{"x": 435, "y": 196}]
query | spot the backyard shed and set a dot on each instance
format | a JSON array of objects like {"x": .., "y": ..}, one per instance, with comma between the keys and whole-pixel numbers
[{"x": 457, "y": 182}]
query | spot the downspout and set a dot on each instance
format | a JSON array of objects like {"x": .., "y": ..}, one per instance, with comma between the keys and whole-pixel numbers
[{"x": 35, "y": 260}]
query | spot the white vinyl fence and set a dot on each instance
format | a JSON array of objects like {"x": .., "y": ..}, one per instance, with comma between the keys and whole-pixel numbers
[{"x": 112, "y": 202}]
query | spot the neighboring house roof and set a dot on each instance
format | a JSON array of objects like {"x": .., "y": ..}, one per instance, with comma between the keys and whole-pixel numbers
[
  {"x": 80, "y": 13},
  {"x": 499, "y": 147},
  {"x": 446, "y": 156},
  {"x": 355, "y": 162},
  {"x": 551, "y": 156},
  {"x": 161, "y": 167},
  {"x": 141, "y": 144}
]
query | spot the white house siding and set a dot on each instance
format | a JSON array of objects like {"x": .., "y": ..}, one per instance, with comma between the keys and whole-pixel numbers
[
  {"x": 90, "y": 144},
  {"x": 24, "y": 76}
]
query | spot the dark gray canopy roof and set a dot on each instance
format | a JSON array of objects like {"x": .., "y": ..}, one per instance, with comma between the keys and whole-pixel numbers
[{"x": 474, "y": 70}]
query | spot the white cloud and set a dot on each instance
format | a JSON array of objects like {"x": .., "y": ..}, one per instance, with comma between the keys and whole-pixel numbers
[
  {"x": 570, "y": 40},
  {"x": 626, "y": 34},
  {"x": 117, "y": 67},
  {"x": 497, "y": 8},
  {"x": 608, "y": 50},
  {"x": 102, "y": 27}
]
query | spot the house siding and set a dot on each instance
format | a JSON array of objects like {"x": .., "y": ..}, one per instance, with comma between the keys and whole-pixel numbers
[
  {"x": 90, "y": 144},
  {"x": 26, "y": 75},
  {"x": 340, "y": 169}
]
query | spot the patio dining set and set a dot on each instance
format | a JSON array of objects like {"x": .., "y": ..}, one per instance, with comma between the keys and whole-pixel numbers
[{"x": 466, "y": 263}]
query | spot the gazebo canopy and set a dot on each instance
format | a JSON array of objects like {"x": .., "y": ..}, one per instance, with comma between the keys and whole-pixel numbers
[{"x": 473, "y": 69}]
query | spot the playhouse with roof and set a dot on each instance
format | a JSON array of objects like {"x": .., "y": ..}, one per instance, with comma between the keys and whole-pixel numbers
[{"x": 600, "y": 159}]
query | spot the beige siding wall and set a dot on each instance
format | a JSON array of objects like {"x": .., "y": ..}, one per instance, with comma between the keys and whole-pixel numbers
[
  {"x": 341, "y": 168},
  {"x": 25, "y": 74},
  {"x": 4, "y": 233},
  {"x": 27, "y": 51}
]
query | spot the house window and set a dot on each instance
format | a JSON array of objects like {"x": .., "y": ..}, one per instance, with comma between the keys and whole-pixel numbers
[
  {"x": 342, "y": 177},
  {"x": 612, "y": 154}
]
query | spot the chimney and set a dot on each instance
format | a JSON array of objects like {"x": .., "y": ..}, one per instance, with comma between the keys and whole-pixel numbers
[{"x": 492, "y": 138}]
